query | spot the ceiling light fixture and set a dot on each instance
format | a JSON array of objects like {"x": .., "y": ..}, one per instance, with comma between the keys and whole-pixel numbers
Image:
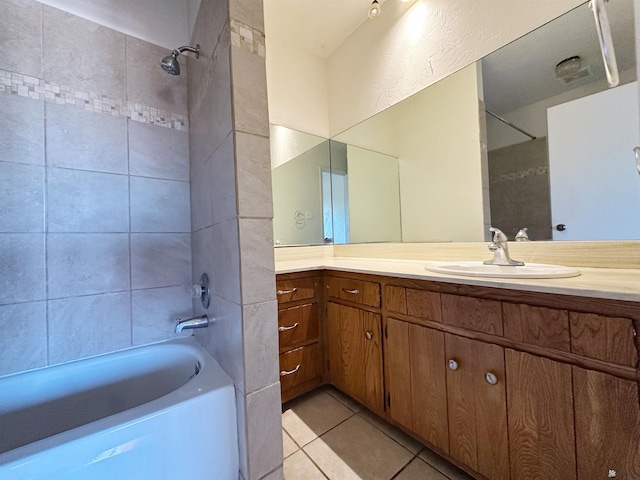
[{"x": 374, "y": 9}]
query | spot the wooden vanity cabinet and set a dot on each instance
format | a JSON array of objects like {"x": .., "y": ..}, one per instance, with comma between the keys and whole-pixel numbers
[{"x": 299, "y": 299}]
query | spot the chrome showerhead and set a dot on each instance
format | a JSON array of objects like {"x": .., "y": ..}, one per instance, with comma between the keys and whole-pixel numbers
[{"x": 170, "y": 62}]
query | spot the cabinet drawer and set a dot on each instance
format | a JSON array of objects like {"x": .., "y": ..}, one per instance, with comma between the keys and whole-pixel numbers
[
  {"x": 299, "y": 366},
  {"x": 296, "y": 289},
  {"x": 423, "y": 304},
  {"x": 545, "y": 327},
  {"x": 609, "y": 339},
  {"x": 358, "y": 291},
  {"x": 297, "y": 325},
  {"x": 472, "y": 313}
]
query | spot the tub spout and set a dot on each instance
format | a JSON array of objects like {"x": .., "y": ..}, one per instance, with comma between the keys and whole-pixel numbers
[{"x": 190, "y": 323}]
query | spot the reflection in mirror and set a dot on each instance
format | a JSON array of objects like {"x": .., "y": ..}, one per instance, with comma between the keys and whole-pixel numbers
[{"x": 459, "y": 169}]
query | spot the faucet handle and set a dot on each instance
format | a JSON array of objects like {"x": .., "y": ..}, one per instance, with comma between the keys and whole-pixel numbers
[{"x": 498, "y": 235}]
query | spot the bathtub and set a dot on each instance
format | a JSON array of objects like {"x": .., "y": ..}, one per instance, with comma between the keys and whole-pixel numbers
[{"x": 163, "y": 411}]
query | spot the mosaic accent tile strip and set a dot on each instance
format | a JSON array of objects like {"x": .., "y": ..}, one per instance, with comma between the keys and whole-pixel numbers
[
  {"x": 544, "y": 170},
  {"x": 40, "y": 89},
  {"x": 247, "y": 37}
]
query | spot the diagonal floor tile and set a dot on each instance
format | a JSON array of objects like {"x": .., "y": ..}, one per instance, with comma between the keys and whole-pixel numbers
[
  {"x": 443, "y": 466},
  {"x": 299, "y": 467},
  {"x": 343, "y": 398},
  {"x": 311, "y": 415},
  {"x": 419, "y": 470},
  {"x": 288, "y": 445},
  {"x": 398, "y": 435},
  {"x": 356, "y": 450}
]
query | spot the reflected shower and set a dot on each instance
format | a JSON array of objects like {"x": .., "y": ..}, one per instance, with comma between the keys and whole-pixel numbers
[{"x": 170, "y": 62}]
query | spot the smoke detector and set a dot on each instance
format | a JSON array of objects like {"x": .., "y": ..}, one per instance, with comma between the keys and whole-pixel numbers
[{"x": 570, "y": 69}]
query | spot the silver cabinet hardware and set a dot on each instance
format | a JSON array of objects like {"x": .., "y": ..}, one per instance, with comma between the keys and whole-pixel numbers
[
  {"x": 284, "y": 373},
  {"x": 284, "y": 292},
  {"x": 453, "y": 365},
  {"x": 355, "y": 291},
  {"x": 612, "y": 474},
  {"x": 491, "y": 378},
  {"x": 284, "y": 329},
  {"x": 368, "y": 335}
]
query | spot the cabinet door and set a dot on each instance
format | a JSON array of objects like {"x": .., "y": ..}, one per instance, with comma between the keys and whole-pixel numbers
[
  {"x": 355, "y": 353},
  {"x": 541, "y": 430},
  {"x": 477, "y": 406},
  {"x": 398, "y": 367},
  {"x": 607, "y": 425}
]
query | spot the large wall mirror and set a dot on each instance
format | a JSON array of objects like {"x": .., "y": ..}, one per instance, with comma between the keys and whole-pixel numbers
[{"x": 528, "y": 137}]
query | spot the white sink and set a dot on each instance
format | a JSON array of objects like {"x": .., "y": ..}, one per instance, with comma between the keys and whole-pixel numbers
[{"x": 478, "y": 269}]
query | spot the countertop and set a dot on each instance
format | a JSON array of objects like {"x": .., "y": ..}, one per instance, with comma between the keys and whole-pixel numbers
[{"x": 608, "y": 283}]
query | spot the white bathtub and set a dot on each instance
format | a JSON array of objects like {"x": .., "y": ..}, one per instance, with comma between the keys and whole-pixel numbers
[{"x": 138, "y": 414}]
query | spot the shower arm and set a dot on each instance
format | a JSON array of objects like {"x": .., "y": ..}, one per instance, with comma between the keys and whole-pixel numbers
[{"x": 188, "y": 48}]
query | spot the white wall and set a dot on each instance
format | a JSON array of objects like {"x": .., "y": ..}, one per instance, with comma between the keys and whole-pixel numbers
[
  {"x": 297, "y": 88},
  {"x": 287, "y": 144},
  {"x": 162, "y": 22},
  {"x": 389, "y": 59},
  {"x": 374, "y": 196},
  {"x": 440, "y": 162}
]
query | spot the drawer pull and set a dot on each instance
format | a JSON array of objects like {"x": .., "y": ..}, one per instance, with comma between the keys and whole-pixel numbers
[
  {"x": 491, "y": 378},
  {"x": 284, "y": 373},
  {"x": 453, "y": 365},
  {"x": 368, "y": 335},
  {"x": 284, "y": 329},
  {"x": 355, "y": 291},
  {"x": 284, "y": 292}
]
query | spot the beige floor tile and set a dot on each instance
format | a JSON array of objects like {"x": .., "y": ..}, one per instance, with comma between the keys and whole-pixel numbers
[
  {"x": 356, "y": 450},
  {"x": 419, "y": 470},
  {"x": 299, "y": 467},
  {"x": 288, "y": 445},
  {"x": 308, "y": 417},
  {"x": 443, "y": 466},
  {"x": 399, "y": 436},
  {"x": 344, "y": 398}
]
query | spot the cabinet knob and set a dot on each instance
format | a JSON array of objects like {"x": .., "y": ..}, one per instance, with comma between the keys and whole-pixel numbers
[
  {"x": 491, "y": 378},
  {"x": 453, "y": 365},
  {"x": 368, "y": 335},
  {"x": 612, "y": 473}
]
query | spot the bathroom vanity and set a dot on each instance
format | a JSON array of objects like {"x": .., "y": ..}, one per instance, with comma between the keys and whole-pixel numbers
[{"x": 507, "y": 379}]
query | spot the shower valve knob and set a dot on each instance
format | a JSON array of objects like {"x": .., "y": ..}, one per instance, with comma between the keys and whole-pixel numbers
[{"x": 197, "y": 291}]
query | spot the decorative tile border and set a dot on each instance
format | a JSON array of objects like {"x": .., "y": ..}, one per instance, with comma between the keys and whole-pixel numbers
[
  {"x": 40, "y": 89},
  {"x": 544, "y": 170},
  {"x": 247, "y": 37}
]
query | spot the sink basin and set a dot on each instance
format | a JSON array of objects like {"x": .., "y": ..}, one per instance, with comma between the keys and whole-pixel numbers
[{"x": 478, "y": 269}]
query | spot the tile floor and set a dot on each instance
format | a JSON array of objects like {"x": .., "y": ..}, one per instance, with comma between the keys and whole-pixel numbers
[{"x": 327, "y": 435}]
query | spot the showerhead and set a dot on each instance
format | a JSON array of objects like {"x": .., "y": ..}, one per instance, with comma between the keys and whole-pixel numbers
[{"x": 170, "y": 62}]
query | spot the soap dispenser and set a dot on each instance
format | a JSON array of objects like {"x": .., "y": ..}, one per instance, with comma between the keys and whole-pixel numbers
[{"x": 522, "y": 236}]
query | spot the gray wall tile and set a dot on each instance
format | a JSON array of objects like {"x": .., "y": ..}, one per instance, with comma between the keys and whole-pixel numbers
[
  {"x": 81, "y": 201},
  {"x": 26, "y": 345},
  {"x": 201, "y": 198},
  {"x": 257, "y": 264},
  {"x": 226, "y": 261},
  {"x": 250, "y": 110},
  {"x": 86, "y": 264},
  {"x": 154, "y": 313},
  {"x": 260, "y": 325},
  {"x": 83, "y": 54},
  {"x": 159, "y": 205},
  {"x": 146, "y": 81},
  {"x": 248, "y": 12},
  {"x": 202, "y": 257},
  {"x": 21, "y": 130},
  {"x": 212, "y": 18},
  {"x": 86, "y": 140},
  {"x": 224, "y": 182},
  {"x": 160, "y": 260},
  {"x": 158, "y": 152},
  {"x": 21, "y": 36},
  {"x": 22, "y": 199},
  {"x": 74, "y": 324},
  {"x": 22, "y": 267},
  {"x": 254, "y": 176},
  {"x": 264, "y": 431}
]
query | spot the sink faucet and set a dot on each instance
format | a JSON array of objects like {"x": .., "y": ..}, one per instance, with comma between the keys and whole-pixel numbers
[
  {"x": 500, "y": 250},
  {"x": 190, "y": 323}
]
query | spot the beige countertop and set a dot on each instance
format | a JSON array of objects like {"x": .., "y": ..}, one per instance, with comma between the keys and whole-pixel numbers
[{"x": 609, "y": 283}]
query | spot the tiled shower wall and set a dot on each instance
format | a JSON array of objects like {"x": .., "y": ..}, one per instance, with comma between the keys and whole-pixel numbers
[
  {"x": 95, "y": 244},
  {"x": 232, "y": 219}
]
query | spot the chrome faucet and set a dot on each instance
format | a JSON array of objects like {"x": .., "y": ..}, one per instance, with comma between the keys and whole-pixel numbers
[
  {"x": 190, "y": 323},
  {"x": 500, "y": 250}
]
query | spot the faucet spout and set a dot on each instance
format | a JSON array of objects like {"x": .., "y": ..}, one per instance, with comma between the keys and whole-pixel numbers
[
  {"x": 500, "y": 250},
  {"x": 191, "y": 323}
]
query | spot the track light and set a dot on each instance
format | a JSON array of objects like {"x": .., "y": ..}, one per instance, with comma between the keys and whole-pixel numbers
[{"x": 374, "y": 9}]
